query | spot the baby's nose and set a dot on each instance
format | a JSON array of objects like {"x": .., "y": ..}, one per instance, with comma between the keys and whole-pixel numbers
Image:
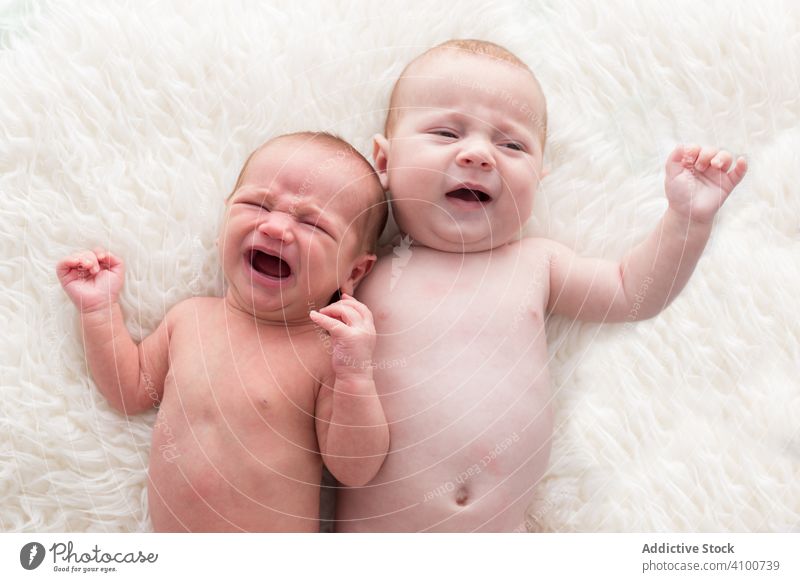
[
  {"x": 476, "y": 154},
  {"x": 277, "y": 225}
]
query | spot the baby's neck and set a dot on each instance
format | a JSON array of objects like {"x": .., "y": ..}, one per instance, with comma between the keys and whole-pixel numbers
[
  {"x": 407, "y": 244},
  {"x": 280, "y": 318}
]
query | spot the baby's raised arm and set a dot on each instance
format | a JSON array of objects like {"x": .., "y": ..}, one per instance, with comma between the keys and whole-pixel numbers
[
  {"x": 651, "y": 275},
  {"x": 130, "y": 376},
  {"x": 351, "y": 427}
]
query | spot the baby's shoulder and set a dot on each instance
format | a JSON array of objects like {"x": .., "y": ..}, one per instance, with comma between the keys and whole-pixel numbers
[
  {"x": 538, "y": 249},
  {"x": 191, "y": 309}
]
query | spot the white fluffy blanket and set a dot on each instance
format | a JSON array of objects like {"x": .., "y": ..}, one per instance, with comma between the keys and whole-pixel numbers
[{"x": 123, "y": 124}]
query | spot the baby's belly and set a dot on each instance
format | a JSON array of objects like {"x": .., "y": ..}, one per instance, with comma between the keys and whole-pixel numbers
[
  {"x": 470, "y": 435},
  {"x": 216, "y": 474}
]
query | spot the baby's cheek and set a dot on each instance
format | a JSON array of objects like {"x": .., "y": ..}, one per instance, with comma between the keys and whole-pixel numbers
[
  {"x": 524, "y": 205},
  {"x": 415, "y": 167},
  {"x": 401, "y": 182},
  {"x": 412, "y": 214}
]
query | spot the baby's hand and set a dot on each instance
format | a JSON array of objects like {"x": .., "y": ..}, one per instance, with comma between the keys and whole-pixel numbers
[
  {"x": 92, "y": 279},
  {"x": 698, "y": 180},
  {"x": 349, "y": 322}
]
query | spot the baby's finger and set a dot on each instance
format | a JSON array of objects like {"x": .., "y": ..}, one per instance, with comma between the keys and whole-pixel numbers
[
  {"x": 342, "y": 311},
  {"x": 78, "y": 266},
  {"x": 677, "y": 154},
  {"x": 690, "y": 153},
  {"x": 65, "y": 266},
  {"x": 722, "y": 161},
  {"x": 675, "y": 162},
  {"x": 362, "y": 309},
  {"x": 703, "y": 159},
  {"x": 86, "y": 261},
  {"x": 108, "y": 261},
  {"x": 101, "y": 254},
  {"x": 738, "y": 171},
  {"x": 326, "y": 322}
]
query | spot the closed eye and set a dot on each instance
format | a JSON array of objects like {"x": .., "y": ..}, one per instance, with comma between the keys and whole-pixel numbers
[
  {"x": 444, "y": 133},
  {"x": 316, "y": 226},
  {"x": 253, "y": 204},
  {"x": 514, "y": 146}
]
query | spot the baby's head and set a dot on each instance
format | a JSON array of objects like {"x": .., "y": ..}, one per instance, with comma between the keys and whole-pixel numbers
[
  {"x": 301, "y": 224},
  {"x": 462, "y": 148}
]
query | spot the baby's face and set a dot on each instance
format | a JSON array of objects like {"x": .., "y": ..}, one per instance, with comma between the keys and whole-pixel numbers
[
  {"x": 464, "y": 157},
  {"x": 290, "y": 237}
]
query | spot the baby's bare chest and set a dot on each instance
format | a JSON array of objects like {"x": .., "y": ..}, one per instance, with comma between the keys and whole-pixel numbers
[
  {"x": 462, "y": 359},
  {"x": 234, "y": 376},
  {"x": 478, "y": 297}
]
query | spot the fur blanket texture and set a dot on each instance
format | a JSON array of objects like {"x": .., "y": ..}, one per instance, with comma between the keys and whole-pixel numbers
[{"x": 124, "y": 124}]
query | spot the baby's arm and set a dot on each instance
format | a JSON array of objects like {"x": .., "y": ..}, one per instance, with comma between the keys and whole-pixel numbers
[
  {"x": 131, "y": 377},
  {"x": 351, "y": 427},
  {"x": 653, "y": 273}
]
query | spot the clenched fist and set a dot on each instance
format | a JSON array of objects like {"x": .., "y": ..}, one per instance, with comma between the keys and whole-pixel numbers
[{"x": 91, "y": 279}]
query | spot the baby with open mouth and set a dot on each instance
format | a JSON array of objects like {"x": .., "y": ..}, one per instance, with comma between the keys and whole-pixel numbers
[
  {"x": 256, "y": 389},
  {"x": 463, "y": 305}
]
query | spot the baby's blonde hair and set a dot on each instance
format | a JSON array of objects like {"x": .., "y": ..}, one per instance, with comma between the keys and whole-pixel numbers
[
  {"x": 467, "y": 46},
  {"x": 374, "y": 212}
]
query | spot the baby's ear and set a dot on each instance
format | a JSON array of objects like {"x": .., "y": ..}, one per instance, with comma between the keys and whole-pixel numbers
[
  {"x": 360, "y": 269},
  {"x": 380, "y": 153}
]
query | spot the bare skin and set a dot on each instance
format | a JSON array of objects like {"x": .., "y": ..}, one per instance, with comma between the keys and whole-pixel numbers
[
  {"x": 462, "y": 374},
  {"x": 461, "y": 354},
  {"x": 254, "y": 390},
  {"x": 234, "y": 447}
]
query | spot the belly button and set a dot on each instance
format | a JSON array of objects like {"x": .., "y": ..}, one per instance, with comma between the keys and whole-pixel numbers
[{"x": 462, "y": 496}]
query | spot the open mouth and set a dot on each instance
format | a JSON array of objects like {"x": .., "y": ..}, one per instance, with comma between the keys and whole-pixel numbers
[
  {"x": 470, "y": 195},
  {"x": 269, "y": 265}
]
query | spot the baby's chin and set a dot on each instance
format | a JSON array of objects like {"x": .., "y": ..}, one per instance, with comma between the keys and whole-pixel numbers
[
  {"x": 470, "y": 239},
  {"x": 278, "y": 306}
]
